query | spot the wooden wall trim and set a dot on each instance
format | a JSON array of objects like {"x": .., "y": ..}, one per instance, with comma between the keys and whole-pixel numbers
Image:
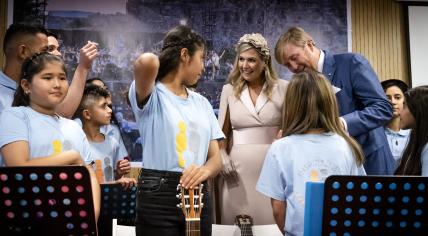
[{"x": 378, "y": 33}]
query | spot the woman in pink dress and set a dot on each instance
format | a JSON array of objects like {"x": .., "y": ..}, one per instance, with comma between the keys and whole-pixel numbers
[{"x": 250, "y": 116}]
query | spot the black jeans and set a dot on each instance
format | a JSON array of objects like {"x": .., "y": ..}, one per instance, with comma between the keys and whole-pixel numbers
[{"x": 157, "y": 211}]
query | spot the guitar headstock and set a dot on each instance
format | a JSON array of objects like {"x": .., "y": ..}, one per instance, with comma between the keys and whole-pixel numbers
[
  {"x": 191, "y": 201},
  {"x": 244, "y": 221}
]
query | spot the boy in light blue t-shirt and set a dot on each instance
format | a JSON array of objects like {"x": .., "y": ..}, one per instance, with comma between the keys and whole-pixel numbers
[{"x": 94, "y": 112}]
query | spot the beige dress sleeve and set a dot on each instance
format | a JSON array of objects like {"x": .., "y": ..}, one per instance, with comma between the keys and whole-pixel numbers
[{"x": 225, "y": 93}]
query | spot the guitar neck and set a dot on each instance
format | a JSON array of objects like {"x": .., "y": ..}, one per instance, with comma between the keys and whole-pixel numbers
[
  {"x": 245, "y": 223},
  {"x": 246, "y": 230},
  {"x": 193, "y": 227}
]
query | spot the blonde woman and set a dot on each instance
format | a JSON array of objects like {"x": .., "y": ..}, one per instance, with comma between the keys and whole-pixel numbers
[{"x": 250, "y": 116}]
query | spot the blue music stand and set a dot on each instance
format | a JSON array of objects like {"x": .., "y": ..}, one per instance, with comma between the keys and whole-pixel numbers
[
  {"x": 116, "y": 203},
  {"x": 50, "y": 200},
  {"x": 367, "y": 205}
]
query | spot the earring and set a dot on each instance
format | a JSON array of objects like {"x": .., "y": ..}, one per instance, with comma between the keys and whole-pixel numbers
[{"x": 27, "y": 92}]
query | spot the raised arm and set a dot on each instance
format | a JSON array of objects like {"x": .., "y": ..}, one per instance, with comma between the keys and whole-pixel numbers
[
  {"x": 145, "y": 71},
  {"x": 18, "y": 154},
  {"x": 72, "y": 100}
]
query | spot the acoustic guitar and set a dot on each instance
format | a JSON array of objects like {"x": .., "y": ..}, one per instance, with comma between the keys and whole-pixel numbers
[
  {"x": 191, "y": 205},
  {"x": 244, "y": 222}
]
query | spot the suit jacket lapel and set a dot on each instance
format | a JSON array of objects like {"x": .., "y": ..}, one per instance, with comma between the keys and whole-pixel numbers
[
  {"x": 262, "y": 99},
  {"x": 246, "y": 100},
  {"x": 329, "y": 67}
]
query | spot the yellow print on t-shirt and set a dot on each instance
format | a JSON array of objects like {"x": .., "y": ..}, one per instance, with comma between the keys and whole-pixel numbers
[
  {"x": 56, "y": 146},
  {"x": 181, "y": 143}
]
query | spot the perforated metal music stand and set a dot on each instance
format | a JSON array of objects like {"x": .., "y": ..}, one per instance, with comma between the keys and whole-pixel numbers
[
  {"x": 46, "y": 201},
  {"x": 116, "y": 203},
  {"x": 370, "y": 205}
]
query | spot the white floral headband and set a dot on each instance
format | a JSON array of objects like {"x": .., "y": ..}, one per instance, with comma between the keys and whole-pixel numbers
[{"x": 256, "y": 40}]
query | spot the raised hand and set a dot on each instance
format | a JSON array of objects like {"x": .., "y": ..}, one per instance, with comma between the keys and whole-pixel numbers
[{"x": 87, "y": 54}]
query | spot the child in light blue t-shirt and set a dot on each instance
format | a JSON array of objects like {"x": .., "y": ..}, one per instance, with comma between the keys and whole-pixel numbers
[
  {"x": 111, "y": 129},
  {"x": 31, "y": 133},
  {"x": 94, "y": 112},
  {"x": 179, "y": 133},
  {"x": 314, "y": 146},
  {"x": 397, "y": 138}
]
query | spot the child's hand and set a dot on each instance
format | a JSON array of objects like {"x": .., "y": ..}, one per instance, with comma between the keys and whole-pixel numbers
[
  {"x": 123, "y": 167},
  {"x": 126, "y": 183},
  {"x": 194, "y": 175},
  {"x": 87, "y": 54}
]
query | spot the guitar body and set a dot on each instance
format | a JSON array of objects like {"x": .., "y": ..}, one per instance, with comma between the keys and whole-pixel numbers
[
  {"x": 191, "y": 205},
  {"x": 245, "y": 223}
]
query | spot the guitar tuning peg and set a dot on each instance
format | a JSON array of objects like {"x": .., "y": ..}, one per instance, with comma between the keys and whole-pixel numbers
[
  {"x": 179, "y": 205},
  {"x": 178, "y": 186},
  {"x": 202, "y": 204},
  {"x": 178, "y": 195}
]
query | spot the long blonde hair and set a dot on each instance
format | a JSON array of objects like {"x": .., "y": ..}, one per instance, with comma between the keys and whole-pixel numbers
[
  {"x": 310, "y": 103},
  {"x": 257, "y": 42}
]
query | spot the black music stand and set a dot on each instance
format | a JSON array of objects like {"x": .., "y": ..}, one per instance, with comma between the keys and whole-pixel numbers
[
  {"x": 49, "y": 200},
  {"x": 116, "y": 203},
  {"x": 375, "y": 205}
]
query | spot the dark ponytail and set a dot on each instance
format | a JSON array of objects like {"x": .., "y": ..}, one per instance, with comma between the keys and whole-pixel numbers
[
  {"x": 30, "y": 67},
  {"x": 176, "y": 39}
]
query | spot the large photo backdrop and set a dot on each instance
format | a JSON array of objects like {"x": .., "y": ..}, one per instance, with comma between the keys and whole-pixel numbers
[{"x": 125, "y": 28}]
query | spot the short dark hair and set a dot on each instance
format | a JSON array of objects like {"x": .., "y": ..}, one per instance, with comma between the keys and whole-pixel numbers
[
  {"x": 90, "y": 94},
  {"x": 394, "y": 82},
  {"x": 17, "y": 30},
  {"x": 51, "y": 34},
  {"x": 89, "y": 81}
]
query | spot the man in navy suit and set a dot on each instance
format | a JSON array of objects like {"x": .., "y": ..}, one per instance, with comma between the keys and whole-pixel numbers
[{"x": 363, "y": 106}]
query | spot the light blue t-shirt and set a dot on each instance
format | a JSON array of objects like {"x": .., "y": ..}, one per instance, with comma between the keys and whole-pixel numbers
[
  {"x": 175, "y": 131},
  {"x": 296, "y": 159},
  {"x": 46, "y": 135},
  {"x": 112, "y": 131},
  {"x": 7, "y": 90},
  {"x": 108, "y": 154},
  {"x": 397, "y": 142}
]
